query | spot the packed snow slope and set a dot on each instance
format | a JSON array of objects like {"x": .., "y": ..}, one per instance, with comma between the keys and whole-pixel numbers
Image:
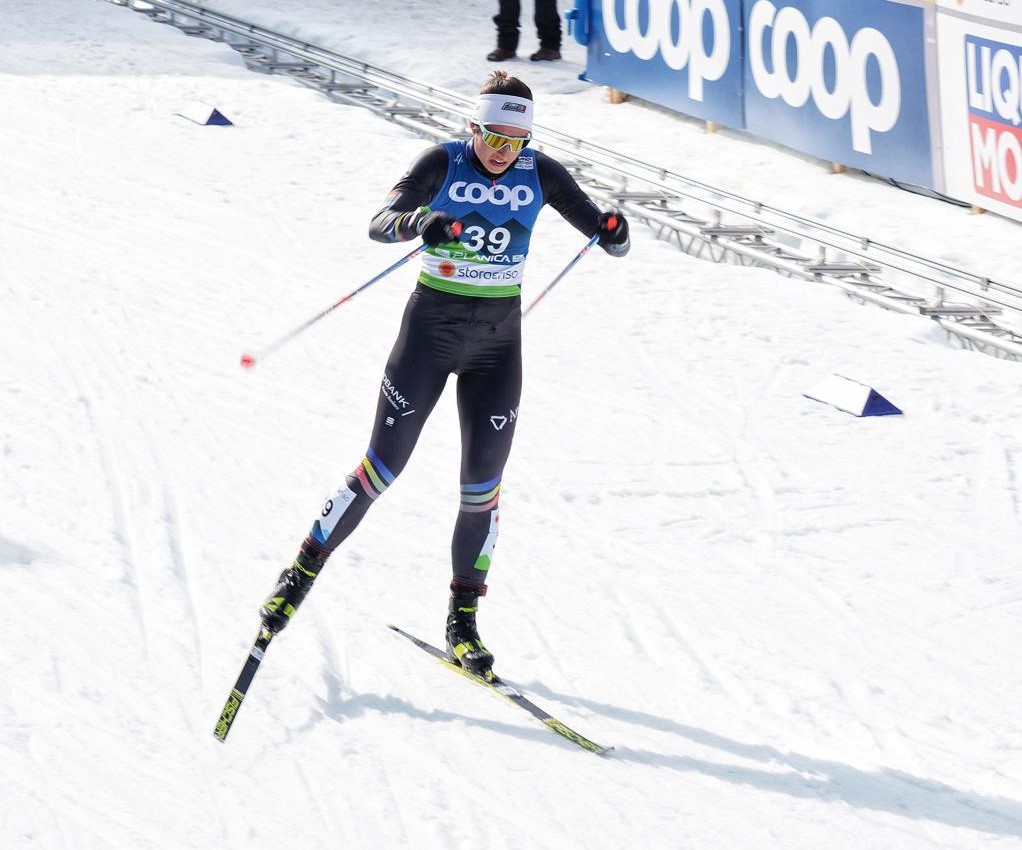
[{"x": 798, "y": 628}]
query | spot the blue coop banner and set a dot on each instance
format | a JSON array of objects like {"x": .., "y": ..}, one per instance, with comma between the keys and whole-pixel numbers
[
  {"x": 683, "y": 54},
  {"x": 843, "y": 81}
]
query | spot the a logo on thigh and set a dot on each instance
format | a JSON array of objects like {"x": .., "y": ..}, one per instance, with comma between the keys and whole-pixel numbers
[
  {"x": 393, "y": 395},
  {"x": 499, "y": 420}
]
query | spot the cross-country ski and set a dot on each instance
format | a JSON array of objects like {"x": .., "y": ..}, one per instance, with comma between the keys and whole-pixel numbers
[{"x": 509, "y": 692}]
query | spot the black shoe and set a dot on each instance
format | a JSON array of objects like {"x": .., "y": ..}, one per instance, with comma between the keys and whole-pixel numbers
[
  {"x": 464, "y": 646},
  {"x": 545, "y": 54},
  {"x": 292, "y": 587},
  {"x": 501, "y": 54}
]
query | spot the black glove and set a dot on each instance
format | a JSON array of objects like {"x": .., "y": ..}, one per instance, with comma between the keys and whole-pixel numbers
[
  {"x": 613, "y": 229},
  {"x": 437, "y": 228}
]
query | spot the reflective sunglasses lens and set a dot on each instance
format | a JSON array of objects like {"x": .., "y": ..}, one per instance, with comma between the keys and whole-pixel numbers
[{"x": 497, "y": 141}]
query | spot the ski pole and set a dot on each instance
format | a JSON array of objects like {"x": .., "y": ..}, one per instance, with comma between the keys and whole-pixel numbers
[
  {"x": 611, "y": 224},
  {"x": 249, "y": 360}
]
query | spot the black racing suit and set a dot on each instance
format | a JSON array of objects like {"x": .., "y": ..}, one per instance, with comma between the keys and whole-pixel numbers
[{"x": 476, "y": 338}]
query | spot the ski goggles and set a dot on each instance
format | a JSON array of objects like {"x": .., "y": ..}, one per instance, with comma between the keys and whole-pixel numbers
[{"x": 498, "y": 141}]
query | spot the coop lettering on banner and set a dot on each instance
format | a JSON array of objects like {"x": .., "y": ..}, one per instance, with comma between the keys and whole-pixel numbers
[
  {"x": 994, "y": 88},
  {"x": 684, "y": 54},
  {"x": 843, "y": 81}
]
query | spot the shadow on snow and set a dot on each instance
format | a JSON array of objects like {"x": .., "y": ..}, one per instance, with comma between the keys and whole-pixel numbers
[{"x": 884, "y": 790}]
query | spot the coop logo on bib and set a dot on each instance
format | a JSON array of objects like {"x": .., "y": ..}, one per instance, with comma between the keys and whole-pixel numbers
[{"x": 501, "y": 196}]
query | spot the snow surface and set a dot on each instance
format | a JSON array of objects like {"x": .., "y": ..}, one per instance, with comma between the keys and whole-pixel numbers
[{"x": 798, "y": 628}]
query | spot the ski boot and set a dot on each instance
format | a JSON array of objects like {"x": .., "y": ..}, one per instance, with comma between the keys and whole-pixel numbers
[
  {"x": 293, "y": 586},
  {"x": 463, "y": 644}
]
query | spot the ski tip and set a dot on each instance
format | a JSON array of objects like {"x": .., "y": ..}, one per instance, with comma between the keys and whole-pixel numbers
[{"x": 593, "y": 747}]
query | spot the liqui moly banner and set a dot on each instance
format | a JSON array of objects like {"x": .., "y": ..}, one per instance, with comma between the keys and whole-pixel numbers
[
  {"x": 980, "y": 63},
  {"x": 683, "y": 54},
  {"x": 846, "y": 82}
]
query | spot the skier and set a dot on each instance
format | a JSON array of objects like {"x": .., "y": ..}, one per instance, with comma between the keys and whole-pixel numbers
[{"x": 474, "y": 203}]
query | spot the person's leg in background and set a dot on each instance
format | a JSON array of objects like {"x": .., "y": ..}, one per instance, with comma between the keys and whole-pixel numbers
[
  {"x": 548, "y": 28},
  {"x": 508, "y": 30}
]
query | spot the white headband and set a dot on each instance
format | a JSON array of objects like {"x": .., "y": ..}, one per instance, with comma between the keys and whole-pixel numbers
[{"x": 504, "y": 109}]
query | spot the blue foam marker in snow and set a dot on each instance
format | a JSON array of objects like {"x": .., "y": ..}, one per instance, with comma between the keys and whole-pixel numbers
[
  {"x": 877, "y": 405},
  {"x": 204, "y": 114},
  {"x": 217, "y": 117},
  {"x": 851, "y": 397}
]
